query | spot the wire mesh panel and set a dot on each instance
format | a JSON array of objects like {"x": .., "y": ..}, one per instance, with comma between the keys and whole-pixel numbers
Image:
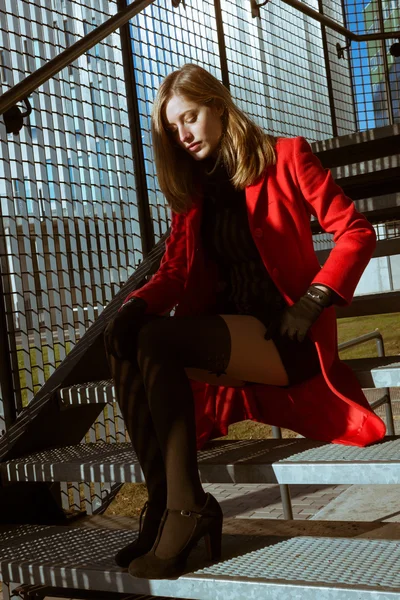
[
  {"x": 277, "y": 69},
  {"x": 375, "y": 88},
  {"x": 69, "y": 220},
  {"x": 163, "y": 40}
]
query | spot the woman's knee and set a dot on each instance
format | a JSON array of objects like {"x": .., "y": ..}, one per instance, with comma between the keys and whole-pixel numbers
[
  {"x": 123, "y": 344},
  {"x": 154, "y": 338}
]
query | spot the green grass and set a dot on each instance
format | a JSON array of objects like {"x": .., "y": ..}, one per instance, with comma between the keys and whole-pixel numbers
[{"x": 388, "y": 325}]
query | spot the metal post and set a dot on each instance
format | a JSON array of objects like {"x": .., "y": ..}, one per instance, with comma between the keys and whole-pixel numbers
[
  {"x": 385, "y": 65},
  {"x": 328, "y": 73},
  {"x": 388, "y": 404},
  {"x": 7, "y": 398},
  {"x": 353, "y": 95},
  {"x": 145, "y": 220},
  {"x": 283, "y": 488},
  {"x": 221, "y": 43}
]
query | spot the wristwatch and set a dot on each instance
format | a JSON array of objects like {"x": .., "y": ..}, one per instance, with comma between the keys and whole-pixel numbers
[{"x": 319, "y": 296}]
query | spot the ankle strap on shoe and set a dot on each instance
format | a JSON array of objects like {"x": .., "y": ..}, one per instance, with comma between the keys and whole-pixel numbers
[
  {"x": 190, "y": 513},
  {"x": 186, "y": 513}
]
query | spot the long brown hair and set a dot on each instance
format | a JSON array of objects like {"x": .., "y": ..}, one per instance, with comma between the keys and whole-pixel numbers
[{"x": 245, "y": 149}]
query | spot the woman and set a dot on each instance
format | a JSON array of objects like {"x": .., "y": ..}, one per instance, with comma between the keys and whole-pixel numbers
[{"x": 254, "y": 332}]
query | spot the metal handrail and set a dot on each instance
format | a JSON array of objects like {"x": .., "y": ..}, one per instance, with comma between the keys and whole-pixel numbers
[
  {"x": 302, "y": 7},
  {"x": 28, "y": 85},
  {"x": 366, "y": 337},
  {"x": 385, "y": 399},
  {"x": 25, "y": 87}
]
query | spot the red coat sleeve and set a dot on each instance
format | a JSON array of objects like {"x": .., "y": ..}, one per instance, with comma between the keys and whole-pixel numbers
[
  {"x": 165, "y": 288},
  {"x": 353, "y": 235}
]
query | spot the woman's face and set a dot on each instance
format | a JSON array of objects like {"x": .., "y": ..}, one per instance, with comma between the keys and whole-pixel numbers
[{"x": 197, "y": 128}]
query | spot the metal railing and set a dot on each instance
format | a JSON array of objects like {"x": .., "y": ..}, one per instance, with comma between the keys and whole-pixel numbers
[
  {"x": 67, "y": 57},
  {"x": 331, "y": 24},
  {"x": 27, "y": 86},
  {"x": 385, "y": 399},
  {"x": 28, "y": 234}
]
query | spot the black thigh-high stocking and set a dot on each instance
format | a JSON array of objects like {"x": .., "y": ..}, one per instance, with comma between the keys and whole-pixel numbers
[
  {"x": 132, "y": 400},
  {"x": 164, "y": 348}
]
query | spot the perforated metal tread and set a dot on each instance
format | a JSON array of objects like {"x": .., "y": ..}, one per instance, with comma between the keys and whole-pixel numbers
[
  {"x": 376, "y": 371},
  {"x": 92, "y": 392},
  {"x": 370, "y": 372},
  {"x": 256, "y": 567},
  {"x": 11, "y": 533},
  {"x": 236, "y": 461},
  {"x": 366, "y": 138},
  {"x": 366, "y": 167}
]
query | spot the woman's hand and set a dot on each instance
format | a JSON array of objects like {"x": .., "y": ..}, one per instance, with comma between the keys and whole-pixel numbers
[
  {"x": 121, "y": 331},
  {"x": 296, "y": 320}
]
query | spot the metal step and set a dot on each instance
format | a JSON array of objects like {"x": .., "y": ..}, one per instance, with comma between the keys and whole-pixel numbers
[
  {"x": 374, "y": 206},
  {"x": 372, "y": 198},
  {"x": 388, "y": 247},
  {"x": 366, "y": 168},
  {"x": 362, "y": 145},
  {"x": 253, "y": 567},
  {"x": 363, "y": 179},
  {"x": 291, "y": 461},
  {"x": 376, "y": 371},
  {"x": 371, "y": 372},
  {"x": 92, "y": 392},
  {"x": 371, "y": 304}
]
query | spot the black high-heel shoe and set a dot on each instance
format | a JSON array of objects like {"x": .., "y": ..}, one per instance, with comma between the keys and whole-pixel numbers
[
  {"x": 207, "y": 523},
  {"x": 149, "y": 522}
]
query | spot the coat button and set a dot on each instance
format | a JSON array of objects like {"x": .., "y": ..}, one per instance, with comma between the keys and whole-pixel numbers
[
  {"x": 258, "y": 233},
  {"x": 275, "y": 272}
]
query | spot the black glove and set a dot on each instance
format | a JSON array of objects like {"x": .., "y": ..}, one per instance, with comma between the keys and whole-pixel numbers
[
  {"x": 120, "y": 333},
  {"x": 296, "y": 320}
]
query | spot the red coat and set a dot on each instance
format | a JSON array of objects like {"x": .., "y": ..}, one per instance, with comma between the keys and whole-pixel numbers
[{"x": 330, "y": 406}]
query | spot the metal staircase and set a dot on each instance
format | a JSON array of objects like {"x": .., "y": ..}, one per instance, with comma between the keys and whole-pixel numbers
[{"x": 46, "y": 552}]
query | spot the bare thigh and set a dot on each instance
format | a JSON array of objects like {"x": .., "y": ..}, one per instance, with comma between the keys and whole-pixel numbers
[{"x": 252, "y": 357}]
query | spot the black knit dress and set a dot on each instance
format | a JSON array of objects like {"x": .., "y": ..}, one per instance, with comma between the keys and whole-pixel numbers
[{"x": 244, "y": 284}]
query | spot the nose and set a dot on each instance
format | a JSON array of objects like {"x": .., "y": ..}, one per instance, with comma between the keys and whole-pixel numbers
[{"x": 185, "y": 135}]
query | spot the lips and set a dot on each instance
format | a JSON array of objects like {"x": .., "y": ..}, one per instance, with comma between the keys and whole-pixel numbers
[{"x": 194, "y": 146}]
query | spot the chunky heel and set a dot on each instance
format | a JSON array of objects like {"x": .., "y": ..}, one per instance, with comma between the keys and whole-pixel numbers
[
  {"x": 206, "y": 523},
  {"x": 213, "y": 541}
]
